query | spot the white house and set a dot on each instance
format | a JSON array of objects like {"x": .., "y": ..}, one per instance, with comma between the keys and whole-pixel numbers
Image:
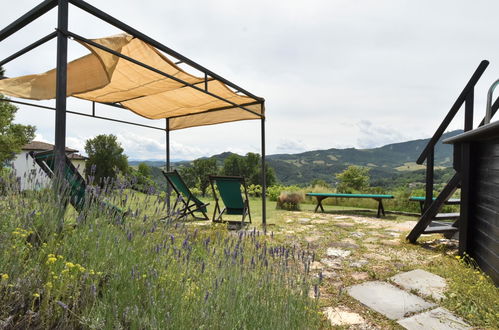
[{"x": 30, "y": 175}]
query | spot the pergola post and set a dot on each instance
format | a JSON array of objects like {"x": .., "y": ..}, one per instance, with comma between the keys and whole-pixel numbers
[
  {"x": 167, "y": 165},
  {"x": 264, "y": 177},
  {"x": 167, "y": 130},
  {"x": 61, "y": 84}
]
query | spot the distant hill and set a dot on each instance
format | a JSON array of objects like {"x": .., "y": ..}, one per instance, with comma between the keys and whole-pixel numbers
[
  {"x": 384, "y": 161},
  {"x": 390, "y": 161},
  {"x": 151, "y": 162}
]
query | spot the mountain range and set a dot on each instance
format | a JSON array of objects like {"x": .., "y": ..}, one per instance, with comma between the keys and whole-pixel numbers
[{"x": 386, "y": 162}]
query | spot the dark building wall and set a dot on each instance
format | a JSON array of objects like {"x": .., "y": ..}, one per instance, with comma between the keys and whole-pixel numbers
[{"x": 483, "y": 223}]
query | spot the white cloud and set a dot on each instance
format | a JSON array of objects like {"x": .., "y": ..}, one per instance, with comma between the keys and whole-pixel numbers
[
  {"x": 318, "y": 63},
  {"x": 376, "y": 135},
  {"x": 290, "y": 147}
]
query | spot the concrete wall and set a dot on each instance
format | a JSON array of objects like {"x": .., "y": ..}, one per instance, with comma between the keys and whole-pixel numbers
[{"x": 29, "y": 174}]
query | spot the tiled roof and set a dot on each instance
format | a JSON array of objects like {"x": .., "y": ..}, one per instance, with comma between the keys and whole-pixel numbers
[
  {"x": 42, "y": 146},
  {"x": 77, "y": 157}
]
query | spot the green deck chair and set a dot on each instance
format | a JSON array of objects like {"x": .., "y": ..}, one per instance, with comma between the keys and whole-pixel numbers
[
  {"x": 76, "y": 186},
  {"x": 191, "y": 204},
  {"x": 229, "y": 188}
]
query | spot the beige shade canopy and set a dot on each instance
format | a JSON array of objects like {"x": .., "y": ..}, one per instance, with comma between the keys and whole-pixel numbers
[{"x": 103, "y": 77}]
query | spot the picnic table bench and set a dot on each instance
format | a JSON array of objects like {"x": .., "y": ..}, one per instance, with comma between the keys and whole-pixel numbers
[
  {"x": 379, "y": 198},
  {"x": 422, "y": 199}
]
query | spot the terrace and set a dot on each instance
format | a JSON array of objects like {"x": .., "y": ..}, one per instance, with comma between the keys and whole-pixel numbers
[{"x": 289, "y": 269}]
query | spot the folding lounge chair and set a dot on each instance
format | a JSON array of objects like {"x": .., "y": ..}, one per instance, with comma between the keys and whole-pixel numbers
[
  {"x": 190, "y": 202},
  {"x": 76, "y": 185},
  {"x": 229, "y": 188}
]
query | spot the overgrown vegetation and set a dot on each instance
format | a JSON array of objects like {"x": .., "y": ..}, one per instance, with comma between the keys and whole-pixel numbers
[
  {"x": 145, "y": 273},
  {"x": 12, "y": 136}
]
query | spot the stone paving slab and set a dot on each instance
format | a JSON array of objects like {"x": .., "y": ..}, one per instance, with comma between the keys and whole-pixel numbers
[
  {"x": 342, "y": 317},
  {"x": 438, "y": 319},
  {"x": 387, "y": 299},
  {"x": 424, "y": 282}
]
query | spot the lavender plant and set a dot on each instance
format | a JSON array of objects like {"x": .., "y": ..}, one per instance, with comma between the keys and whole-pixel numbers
[{"x": 149, "y": 271}]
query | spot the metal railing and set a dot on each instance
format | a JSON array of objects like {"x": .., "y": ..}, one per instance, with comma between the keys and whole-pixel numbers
[{"x": 467, "y": 98}]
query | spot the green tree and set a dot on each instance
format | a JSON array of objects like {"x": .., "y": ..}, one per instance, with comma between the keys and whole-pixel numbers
[
  {"x": 354, "y": 178},
  {"x": 105, "y": 158},
  {"x": 197, "y": 175},
  {"x": 144, "y": 170},
  {"x": 202, "y": 168},
  {"x": 248, "y": 167},
  {"x": 12, "y": 136},
  {"x": 234, "y": 165},
  {"x": 319, "y": 183},
  {"x": 141, "y": 178}
]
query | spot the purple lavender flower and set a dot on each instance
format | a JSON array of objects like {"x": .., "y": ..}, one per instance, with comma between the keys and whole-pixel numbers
[{"x": 63, "y": 305}]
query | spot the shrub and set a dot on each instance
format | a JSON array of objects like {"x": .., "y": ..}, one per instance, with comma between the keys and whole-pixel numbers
[
  {"x": 255, "y": 190},
  {"x": 289, "y": 201},
  {"x": 273, "y": 192}
]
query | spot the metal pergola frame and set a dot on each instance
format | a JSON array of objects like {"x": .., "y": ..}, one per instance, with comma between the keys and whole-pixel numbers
[{"x": 62, "y": 34}]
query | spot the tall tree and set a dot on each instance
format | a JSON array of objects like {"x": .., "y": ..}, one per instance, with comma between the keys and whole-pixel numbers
[
  {"x": 354, "y": 178},
  {"x": 248, "y": 167},
  {"x": 197, "y": 174},
  {"x": 12, "y": 136},
  {"x": 105, "y": 158}
]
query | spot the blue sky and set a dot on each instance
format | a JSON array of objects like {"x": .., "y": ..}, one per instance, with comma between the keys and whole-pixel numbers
[{"x": 333, "y": 73}]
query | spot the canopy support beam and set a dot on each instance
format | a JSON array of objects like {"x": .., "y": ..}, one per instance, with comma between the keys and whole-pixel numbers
[
  {"x": 128, "y": 29},
  {"x": 29, "y": 48},
  {"x": 134, "y": 61},
  {"x": 167, "y": 165},
  {"x": 264, "y": 179},
  {"x": 83, "y": 114},
  {"x": 61, "y": 84},
  {"x": 27, "y": 18}
]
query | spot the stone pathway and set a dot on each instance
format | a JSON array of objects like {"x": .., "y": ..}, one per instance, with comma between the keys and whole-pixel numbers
[
  {"x": 411, "y": 311},
  {"x": 356, "y": 255}
]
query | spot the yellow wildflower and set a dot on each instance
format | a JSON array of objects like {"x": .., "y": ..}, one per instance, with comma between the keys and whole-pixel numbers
[
  {"x": 60, "y": 257},
  {"x": 49, "y": 285},
  {"x": 91, "y": 272},
  {"x": 51, "y": 255},
  {"x": 144, "y": 275},
  {"x": 51, "y": 260},
  {"x": 80, "y": 268},
  {"x": 36, "y": 295},
  {"x": 5, "y": 276},
  {"x": 70, "y": 264}
]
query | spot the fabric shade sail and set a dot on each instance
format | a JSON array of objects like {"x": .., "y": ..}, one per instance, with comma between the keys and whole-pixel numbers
[{"x": 106, "y": 78}]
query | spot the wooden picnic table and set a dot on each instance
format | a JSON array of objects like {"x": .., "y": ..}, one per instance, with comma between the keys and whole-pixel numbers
[{"x": 322, "y": 196}]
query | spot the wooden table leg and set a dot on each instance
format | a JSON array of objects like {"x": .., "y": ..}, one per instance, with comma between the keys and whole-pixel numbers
[
  {"x": 319, "y": 204},
  {"x": 381, "y": 209}
]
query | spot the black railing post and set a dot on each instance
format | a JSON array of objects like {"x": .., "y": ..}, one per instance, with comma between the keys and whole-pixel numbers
[
  {"x": 430, "y": 165},
  {"x": 468, "y": 111}
]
